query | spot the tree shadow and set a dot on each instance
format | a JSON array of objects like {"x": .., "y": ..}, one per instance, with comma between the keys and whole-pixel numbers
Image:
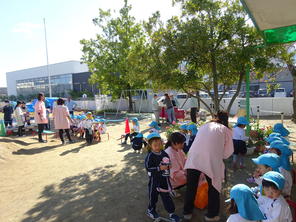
[
  {"x": 75, "y": 150},
  {"x": 14, "y": 140},
  {"x": 35, "y": 150}
]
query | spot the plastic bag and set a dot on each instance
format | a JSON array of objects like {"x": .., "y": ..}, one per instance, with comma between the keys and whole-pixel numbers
[{"x": 201, "y": 197}]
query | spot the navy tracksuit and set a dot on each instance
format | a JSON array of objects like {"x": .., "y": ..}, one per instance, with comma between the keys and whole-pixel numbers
[
  {"x": 158, "y": 181},
  {"x": 137, "y": 143}
]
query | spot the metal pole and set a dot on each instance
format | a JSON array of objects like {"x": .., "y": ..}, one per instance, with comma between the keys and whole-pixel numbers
[
  {"x": 47, "y": 64},
  {"x": 248, "y": 96},
  {"x": 258, "y": 113},
  {"x": 282, "y": 117}
]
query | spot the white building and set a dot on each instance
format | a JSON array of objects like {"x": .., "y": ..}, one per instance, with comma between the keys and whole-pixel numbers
[{"x": 65, "y": 76}]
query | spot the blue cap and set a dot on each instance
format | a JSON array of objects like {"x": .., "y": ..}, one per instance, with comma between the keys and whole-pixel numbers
[
  {"x": 83, "y": 117},
  {"x": 279, "y": 128},
  {"x": 246, "y": 203},
  {"x": 139, "y": 135},
  {"x": 275, "y": 138},
  {"x": 192, "y": 128},
  {"x": 278, "y": 144},
  {"x": 135, "y": 119},
  {"x": 96, "y": 120},
  {"x": 276, "y": 178},
  {"x": 270, "y": 159},
  {"x": 274, "y": 134},
  {"x": 102, "y": 120},
  {"x": 154, "y": 124},
  {"x": 88, "y": 113},
  {"x": 242, "y": 120},
  {"x": 152, "y": 135},
  {"x": 183, "y": 127}
]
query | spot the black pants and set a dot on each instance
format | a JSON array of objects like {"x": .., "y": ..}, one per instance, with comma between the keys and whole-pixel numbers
[
  {"x": 193, "y": 111},
  {"x": 8, "y": 122},
  {"x": 213, "y": 194},
  {"x": 20, "y": 130},
  {"x": 71, "y": 112},
  {"x": 40, "y": 130},
  {"x": 88, "y": 136},
  {"x": 153, "y": 198},
  {"x": 61, "y": 132},
  {"x": 130, "y": 135}
]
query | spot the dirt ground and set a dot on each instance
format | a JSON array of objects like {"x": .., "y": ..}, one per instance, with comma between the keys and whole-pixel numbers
[{"x": 105, "y": 182}]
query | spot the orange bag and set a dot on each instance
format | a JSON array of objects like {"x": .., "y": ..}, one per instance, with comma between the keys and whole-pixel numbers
[{"x": 201, "y": 197}]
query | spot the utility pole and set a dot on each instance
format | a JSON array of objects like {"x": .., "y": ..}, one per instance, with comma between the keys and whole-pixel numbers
[{"x": 47, "y": 64}]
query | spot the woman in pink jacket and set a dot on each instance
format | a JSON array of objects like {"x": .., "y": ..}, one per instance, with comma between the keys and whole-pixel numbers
[
  {"x": 174, "y": 148},
  {"x": 62, "y": 119},
  {"x": 40, "y": 116},
  {"x": 212, "y": 144}
]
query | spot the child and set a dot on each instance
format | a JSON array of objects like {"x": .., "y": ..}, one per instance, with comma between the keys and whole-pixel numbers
[
  {"x": 244, "y": 206},
  {"x": 281, "y": 149},
  {"x": 88, "y": 128},
  {"x": 138, "y": 142},
  {"x": 134, "y": 131},
  {"x": 272, "y": 204},
  {"x": 102, "y": 126},
  {"x": 265, "y": 163},
  {"x": 157, "y": 166},
  {"x": 184, "y": 132},
  {"x": 239, "y": 142},
  {"x": 272, "y": 137},
  {"x": 96, "y": 133},
  {"x": 279, "y": 128},
  {"x": 192, "y": 129},
  {"x": 81, "y": 123},
  {"x": 154, "y": 127},
  {"x": 174, "y": 148}
]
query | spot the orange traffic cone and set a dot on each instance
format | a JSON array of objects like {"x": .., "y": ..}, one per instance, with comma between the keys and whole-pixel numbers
[{"x": 127, "y": 127}]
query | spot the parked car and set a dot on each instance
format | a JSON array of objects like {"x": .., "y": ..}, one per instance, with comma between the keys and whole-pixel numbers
[
  {"x": 280, "y": 92},
  {"x": 291, "y": 93},
  {"x": 262, "y": 93}
]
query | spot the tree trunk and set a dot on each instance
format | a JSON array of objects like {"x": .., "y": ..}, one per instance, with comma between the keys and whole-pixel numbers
[
  {"x": 215, "y": 83},
  {"x": 130, "y": 101},
  {"x": 292, "y": 69},
  {"x": 239, "y": 85},
  {"x": 198, "y": 101}
]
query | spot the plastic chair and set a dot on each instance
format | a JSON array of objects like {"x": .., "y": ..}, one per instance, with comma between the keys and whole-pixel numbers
[{"x": 292, "y": 205}]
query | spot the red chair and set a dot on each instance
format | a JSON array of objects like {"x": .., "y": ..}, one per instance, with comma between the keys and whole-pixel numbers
[{"x": 292, "y": 205}]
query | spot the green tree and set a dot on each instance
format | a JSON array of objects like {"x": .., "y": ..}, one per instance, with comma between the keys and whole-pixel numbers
[
  {"x": 209, "y": 45},
  {"x": 115, "y": 56}
]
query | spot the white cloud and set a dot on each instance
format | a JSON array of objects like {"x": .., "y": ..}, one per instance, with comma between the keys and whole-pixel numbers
[{"x": 27, "y": 28}]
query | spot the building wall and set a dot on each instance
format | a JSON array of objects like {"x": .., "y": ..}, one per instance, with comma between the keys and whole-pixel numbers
[
  {"x": 3, "y": 91},
  {"x": 68, "y": 67},
  {"x": 80, "y": 83}
]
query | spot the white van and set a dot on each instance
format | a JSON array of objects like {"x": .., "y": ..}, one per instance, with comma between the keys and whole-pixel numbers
[{"x": 280, "y": 92}]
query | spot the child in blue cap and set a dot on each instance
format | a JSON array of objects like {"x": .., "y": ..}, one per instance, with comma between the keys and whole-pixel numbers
[
  {"x": 239, "y": 142},
  {"x": 192, "y": 129},
  {"x": 265, "y": 163},
  {"x": 157, "y": 165},
  {"x": 279, "y": 128},
  {"x": 244, "y": 206},
  {"x": 138, "y": 142},
  {"x": 134, "y": 131},
  {"x": 284, "y": 152},
  {"x": 154, "y": 127},
  {"x": 273, "y": 205}
]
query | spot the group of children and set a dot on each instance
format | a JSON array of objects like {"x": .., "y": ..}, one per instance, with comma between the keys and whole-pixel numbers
[
  {"x": 88, "y": 127},
  {"x": 266, "y": 202}
]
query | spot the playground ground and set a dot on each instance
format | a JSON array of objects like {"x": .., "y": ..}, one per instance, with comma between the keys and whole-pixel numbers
[{"x": 103, "y": 182}]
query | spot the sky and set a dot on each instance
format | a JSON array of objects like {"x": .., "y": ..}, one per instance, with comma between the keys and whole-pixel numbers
[{"x": 22, "y": 41}]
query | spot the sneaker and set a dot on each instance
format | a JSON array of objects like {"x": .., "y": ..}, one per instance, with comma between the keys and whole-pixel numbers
[
  {"x": 216, "y": 218},
  {"x": 124, "y": 142},
  {"x": 152, "y": 214},
  {"x": 42, "y": 141},
  {"x": 174, "y": 218},
  {"x": 187, "y": 216}
]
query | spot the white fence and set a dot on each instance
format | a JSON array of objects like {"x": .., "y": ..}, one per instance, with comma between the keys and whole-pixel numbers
[{"x": 268, "y": 106}]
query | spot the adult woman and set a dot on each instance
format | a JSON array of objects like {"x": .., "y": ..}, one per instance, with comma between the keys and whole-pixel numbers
[
  {"x": 19, "y": 117},
  {"x": 62, "y": 119},
  {"x": 169, "y": 108},
  {"x": 212, "y": 144},
  {"x": 40, "y": 116}
]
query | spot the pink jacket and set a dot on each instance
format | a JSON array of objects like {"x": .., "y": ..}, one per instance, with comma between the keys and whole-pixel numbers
[
  {"x": 40, "y": 113},
  {"x": 177, "y": 171},
  {"x": 60, "y": 114},
  {"x": 212, "y": 144}
]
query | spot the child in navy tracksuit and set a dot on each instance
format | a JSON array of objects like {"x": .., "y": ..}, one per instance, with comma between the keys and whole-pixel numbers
[
  {"x": 157, "y": 165},
  {"x": 138, "y": 142}
]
